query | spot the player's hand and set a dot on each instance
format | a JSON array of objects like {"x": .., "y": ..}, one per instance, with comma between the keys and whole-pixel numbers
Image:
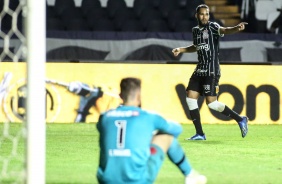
[
  {"x": 241, "y": 26},
  {"x": 176, "y": 51}
]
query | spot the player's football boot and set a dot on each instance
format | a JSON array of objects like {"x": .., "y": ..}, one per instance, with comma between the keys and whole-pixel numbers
[
  {"x": 244, "y": 126},
  {"x": 197, "y": 137},
  {"x": 195, "y": 178}
]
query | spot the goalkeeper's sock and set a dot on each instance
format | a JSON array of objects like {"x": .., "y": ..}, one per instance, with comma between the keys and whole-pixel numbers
[
  {"x": 195, "y": 115},
  {"x": 230, "y": 113},
  {"x": 177, "y": 156}
]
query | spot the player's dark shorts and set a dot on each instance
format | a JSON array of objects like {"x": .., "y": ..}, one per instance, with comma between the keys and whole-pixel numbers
[{"x": 205, "y": 85}]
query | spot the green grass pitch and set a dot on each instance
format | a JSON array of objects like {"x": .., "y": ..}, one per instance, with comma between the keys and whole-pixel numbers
[{"x": 225, "y": 157}]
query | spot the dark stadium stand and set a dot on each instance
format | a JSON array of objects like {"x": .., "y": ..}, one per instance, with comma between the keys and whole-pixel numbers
[
  {"x": 89, "y": 5},
  {"x": 169, "y": 11},
  {"x": 166, "y": 7},
  {"x": 259, "y": 15},
  {"x": 157, "y": 25},
  {"x": 184, "y": 26},
  {"x": 61, "y": 5},
  {"x": 54, "y": 24},
  {"x": 124, "y": 15},
  {"x": 132, "y": 26},
  {"x": 113, "y": 6},
  {"x": 77, "y": 24},
  {"x": 70, "y": 13},
  {"x": 103, "y": 24},
  {"x": 149, "y": 14},
  {"x": 117, "y": 13}
]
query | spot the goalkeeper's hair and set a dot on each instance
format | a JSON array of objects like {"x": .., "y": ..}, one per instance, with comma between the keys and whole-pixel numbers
[{"x": 128, "y": 88}]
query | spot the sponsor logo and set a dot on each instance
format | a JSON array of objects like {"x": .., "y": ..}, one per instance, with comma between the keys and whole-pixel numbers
[
  {"x": 203, "y": 46},
  {"x": 119, "y": 152},
  {"x": 14, "y": 102},
  {"x": 205, "y": 34},
  {"x": 116, "y": 113},
  {"x": 250, "y": 102},
  {"x": 201, "y": 71}
]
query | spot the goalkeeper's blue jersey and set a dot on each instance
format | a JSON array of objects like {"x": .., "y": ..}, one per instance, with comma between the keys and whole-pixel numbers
[{"x": 125, "y": 136}]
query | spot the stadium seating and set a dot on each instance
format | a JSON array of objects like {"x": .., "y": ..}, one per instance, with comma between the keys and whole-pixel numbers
[
  {"x": 166, "y": 7},
  {"x": 102, "y": 24},
  {"x": 139, "y": 5},
  {"x": 77, "y": 24},
  {"x": 96, "y": 13},
  {"x": 70, "y": 13},
  {"x": 148, "y": 15},
  {"x": 54, "y": 24},
  {"x": 155, "y": 3},
  {"x": 113, "y": 6},
  {"x": 50, "y": 12},
  {"x": 144, "y": 15},
  {"x": 132, "y": 26},
  {"x": 262, "y": 13},
  {"x": 185, "y": 26},
  {"x": 182, "y": 4},
  {"x": 61, "y": 5},
  {"x": 117, "y": 13},
  {"x": 89, "y": 5},
  {"x": 124, "y": 15},
  {"x": 157, "y": 25},
  {"x": 176, "y": 16}
]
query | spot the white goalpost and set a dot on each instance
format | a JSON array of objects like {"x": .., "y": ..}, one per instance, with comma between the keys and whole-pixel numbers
[
  {"x": 23, "y": 143},
  {"x": 36, "y": 58}
]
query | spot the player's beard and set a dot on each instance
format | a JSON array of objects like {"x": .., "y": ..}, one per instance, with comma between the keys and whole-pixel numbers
[{"x": 202, "y": 23}]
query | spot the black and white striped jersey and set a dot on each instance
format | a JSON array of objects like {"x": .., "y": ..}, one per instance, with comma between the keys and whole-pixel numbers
[{"x": 206, "y": 40}]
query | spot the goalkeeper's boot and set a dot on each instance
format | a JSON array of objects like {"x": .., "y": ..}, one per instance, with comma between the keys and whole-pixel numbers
[
  {"x": 197, "y": 137},
  {"x": 244, "y": 126},
  {"x": 195, "y": 178}
]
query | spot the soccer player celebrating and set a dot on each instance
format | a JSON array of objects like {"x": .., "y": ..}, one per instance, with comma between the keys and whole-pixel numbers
[
  {"x": 205, "y": 78},
  {"x": 133, "y": 142}
]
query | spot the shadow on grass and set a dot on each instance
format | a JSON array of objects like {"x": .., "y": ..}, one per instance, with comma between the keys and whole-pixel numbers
[{"x": 204, "y": 142}]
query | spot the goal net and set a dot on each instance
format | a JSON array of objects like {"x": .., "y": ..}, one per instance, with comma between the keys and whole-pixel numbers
[{"x": 22, "y": 90}]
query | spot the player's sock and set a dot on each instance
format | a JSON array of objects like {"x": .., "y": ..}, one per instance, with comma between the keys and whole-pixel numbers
[
  {"x": 230, "y": 113},
  {"x": 224, "y": 109},
  {"x": 177, "y": 156},
  {"x": 195, "y": 115}
]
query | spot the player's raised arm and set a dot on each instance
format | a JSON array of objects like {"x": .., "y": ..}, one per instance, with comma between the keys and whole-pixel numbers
[
  {"x": 235, "y": 29},
  {"x": 190, "y": 48}
]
